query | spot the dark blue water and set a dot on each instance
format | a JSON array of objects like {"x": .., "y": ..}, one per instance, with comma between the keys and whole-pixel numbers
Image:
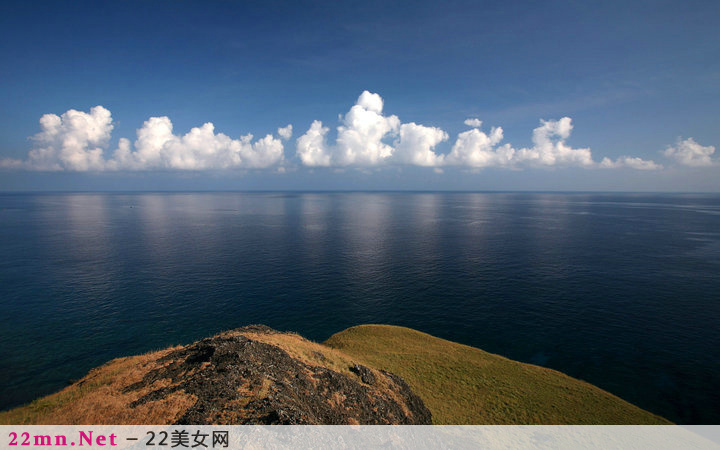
[{"x": 621, "y": 290}]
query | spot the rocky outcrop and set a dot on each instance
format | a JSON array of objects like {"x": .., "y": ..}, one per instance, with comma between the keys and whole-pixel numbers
[{"x": 240, "y": 378}]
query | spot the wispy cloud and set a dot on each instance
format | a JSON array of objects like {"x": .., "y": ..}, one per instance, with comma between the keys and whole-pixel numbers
[{"x": 630, "y": 162}]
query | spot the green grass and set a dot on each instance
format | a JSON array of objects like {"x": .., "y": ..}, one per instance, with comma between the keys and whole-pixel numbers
[{"x": 465, "y": 385}]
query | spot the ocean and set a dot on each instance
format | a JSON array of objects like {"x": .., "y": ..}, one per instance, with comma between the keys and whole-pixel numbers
[{"x": 620, "y": 290}]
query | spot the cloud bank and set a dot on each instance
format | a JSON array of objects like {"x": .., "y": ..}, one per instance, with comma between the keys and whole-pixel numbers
[
  {"x": 75, "y": 141},
  {"x": 366, "y": 137}
]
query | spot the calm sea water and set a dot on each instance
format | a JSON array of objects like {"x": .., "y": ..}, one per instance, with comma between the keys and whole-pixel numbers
[{"x": 621, "y": 290}]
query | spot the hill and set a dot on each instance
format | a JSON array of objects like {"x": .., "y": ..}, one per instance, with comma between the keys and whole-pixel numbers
[
  {"x": 252, "y": 375},
  {"x": 465, "y": 385},
  {"x": 369, "y": 374}
]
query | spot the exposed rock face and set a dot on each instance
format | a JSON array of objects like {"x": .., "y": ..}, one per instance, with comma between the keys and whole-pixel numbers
[{"x": 240, "y": 380}]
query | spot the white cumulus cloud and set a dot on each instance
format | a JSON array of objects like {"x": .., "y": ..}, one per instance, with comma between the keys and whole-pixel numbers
[
  {"x": 285, "y": 132},
  {"x": 312, "y": 147},
  {"x": 550, "y": 149},
  {"x": 76, "y": 140},
  {"x": 475, "y": 148},
  {"x": 415, "y": 144},
  {"x": 363, "y": 139},
  {"x": 157, "y": 147},
  {"x": 689, "y": 153},
  {"x": 367, "y": 138},
  {"x": 72, "y": 141},
  {"x": 359, "y": 140}
]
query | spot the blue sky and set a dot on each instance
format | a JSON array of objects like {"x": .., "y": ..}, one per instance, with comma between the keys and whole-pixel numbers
[{"x": 638, "y": 82}]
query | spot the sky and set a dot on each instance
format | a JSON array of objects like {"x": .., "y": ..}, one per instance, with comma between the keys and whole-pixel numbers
[{"x": 407, "y": 95}]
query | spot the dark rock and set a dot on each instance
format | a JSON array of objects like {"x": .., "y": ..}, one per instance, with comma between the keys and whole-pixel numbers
[
  {"x": 364, "y": 373},
  {"x": 237, "y": 380}
]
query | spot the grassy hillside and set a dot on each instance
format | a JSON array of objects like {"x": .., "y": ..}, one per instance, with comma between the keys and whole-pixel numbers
[
  {"x": 252, "y": 375},
  {"x": 99, "y": 397},
  {"x": 457, "y": 383},
  {"x": 465, "y": 385}
]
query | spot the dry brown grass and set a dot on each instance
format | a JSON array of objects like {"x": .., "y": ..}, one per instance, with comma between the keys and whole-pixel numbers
[
  {"x": 459, "y": 384},
  {"x": 316, "y": 354},
  {"x": 98, "y": 398},
  {"x": 309, "y": 352}
]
